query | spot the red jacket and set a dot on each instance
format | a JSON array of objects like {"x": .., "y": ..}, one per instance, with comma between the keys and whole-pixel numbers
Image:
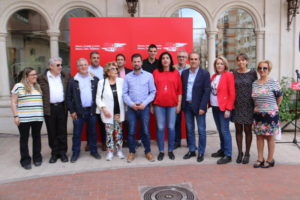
[{"x": 225, "y": 91}]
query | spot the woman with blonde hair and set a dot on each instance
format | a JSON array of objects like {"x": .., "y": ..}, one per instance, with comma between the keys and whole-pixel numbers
[
  {"x": 267, "y": 96},
  {"x": 222, "y": 99},
  {"x": 110, "y": 103},
  {"x": 27, "y": 108}
]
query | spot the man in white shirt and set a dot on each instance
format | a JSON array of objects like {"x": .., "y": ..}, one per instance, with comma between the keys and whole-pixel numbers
[{"x": 54, "y": 86}]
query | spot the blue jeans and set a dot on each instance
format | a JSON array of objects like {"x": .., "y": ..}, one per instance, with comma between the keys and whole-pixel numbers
[
  {"x": 163, "y": 115},
  {"x": 222, "y": 124},
  {"x": 90, "y": 120},
  {"x": 143, "y": 116},
  {"x": 190, "y": 126}
]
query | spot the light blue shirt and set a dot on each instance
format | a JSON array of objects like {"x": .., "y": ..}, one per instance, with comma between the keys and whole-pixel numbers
[
  {"x": 190, "y": 84},
  {"x": 85, "y": 87},
  {"x": 97, "y": 71},
  {"x": 138, "y": 88},
  {"x": 180, "y": 69}
]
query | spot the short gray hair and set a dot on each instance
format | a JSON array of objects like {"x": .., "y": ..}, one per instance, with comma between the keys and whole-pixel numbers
[
  {"x": 52, "y": 60},
  {"x": 81, "y": 59},
  {"x": 183, "y": 51}
]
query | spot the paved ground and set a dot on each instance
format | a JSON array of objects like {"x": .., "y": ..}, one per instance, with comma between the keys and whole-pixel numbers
[{"x": 99, "y": 179}]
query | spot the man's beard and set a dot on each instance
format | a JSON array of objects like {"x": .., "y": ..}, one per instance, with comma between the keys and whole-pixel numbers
[{"x": 137, "y": 68}]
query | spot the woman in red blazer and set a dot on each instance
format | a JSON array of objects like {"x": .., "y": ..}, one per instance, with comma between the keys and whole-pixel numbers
[{"x": 222, "y": 99}]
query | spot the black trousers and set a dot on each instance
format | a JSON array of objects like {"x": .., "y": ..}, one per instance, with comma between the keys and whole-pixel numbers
[
  {"x": 24, "y": 129},
  {"x": 102, "y": 130},
  {"x": 56, "y": 125}
]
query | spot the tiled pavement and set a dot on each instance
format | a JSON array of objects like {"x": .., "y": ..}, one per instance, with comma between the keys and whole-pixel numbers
[{"x": 118, "y": 180}]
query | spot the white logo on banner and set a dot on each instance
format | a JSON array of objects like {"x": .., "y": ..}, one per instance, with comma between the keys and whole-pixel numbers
[{"x": 113, "y": 47}]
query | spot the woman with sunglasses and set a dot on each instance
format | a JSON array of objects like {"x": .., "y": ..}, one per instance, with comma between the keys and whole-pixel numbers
[
  {"x": 110, "y": 103},
  {"x": 222, "y": 98},
  {"x": 267, "y": 97},
  {"x": 242, "y": 115},
  {"x": 27, "y": 108},
  {"x": 167, "y": 102}
]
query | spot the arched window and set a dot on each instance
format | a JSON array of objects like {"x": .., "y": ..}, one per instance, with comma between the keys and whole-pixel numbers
[
  {"x": 236, "y": 35},
  {"x": 28, "y": 42},
  {"x": 64, "y": 39},
  {"x": 199, "y": 35}
]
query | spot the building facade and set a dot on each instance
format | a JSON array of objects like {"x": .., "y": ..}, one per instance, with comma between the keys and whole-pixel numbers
[{"x": 31, "y": 31}]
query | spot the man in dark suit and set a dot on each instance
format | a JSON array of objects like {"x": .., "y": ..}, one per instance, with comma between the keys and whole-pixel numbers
[{"x": 195, "y": 97}]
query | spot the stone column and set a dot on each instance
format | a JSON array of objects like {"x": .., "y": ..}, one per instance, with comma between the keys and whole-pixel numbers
[
  {"x": 211, "y": 35},
  {"x": 259, "y": 45},
  {"x": 4, "y": 77},
  {"x": 54, "y": 46}
]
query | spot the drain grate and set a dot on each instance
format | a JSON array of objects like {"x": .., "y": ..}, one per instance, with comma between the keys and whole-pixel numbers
[{"x": 172, "y": 192}]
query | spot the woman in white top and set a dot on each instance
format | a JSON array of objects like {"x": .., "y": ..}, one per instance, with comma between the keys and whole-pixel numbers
[{"x": 110, "y": 103}]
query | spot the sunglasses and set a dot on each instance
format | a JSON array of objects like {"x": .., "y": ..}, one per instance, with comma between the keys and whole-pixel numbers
[
  {"x": 262, "y": 68},
  {"x": 114, "y": 69},
  {"x": 58, "y": 65}
]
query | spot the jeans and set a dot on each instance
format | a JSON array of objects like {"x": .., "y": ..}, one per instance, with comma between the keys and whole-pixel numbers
[
  {"x": 165, "y": 115},
  {"x": 222, "y": 124},
  {"x": 143, "y": 116},
  {"x": 190, "y": 126},
  {"x": 90, "y": 120},
  {"x": 24, "y": 129}
]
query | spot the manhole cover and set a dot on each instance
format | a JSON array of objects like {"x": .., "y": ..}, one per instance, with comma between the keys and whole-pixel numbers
[{"x": 173, "y": 192}]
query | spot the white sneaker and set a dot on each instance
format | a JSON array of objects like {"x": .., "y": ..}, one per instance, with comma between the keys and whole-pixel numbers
[
  {"x": 120, "y": 154},
  {"x": 109, "y": 156}
]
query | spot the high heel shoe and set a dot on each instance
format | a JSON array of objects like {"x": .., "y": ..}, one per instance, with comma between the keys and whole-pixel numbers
[
  {"x": 239, "y": 158},
  {"x": 246, "y": 159},
  {"x": 269, "y": 164},
  {"x": 259, "y": 164}
]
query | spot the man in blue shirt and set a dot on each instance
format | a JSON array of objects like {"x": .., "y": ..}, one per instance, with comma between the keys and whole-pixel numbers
[
  {"x": 138, "y": 92},
  {"x": 195, "y": 97}
]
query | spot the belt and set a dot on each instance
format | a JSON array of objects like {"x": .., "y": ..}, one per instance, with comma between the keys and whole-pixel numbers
[
  {"x": 189, "y": 102},
  {"x": 86, "y": 108},
  {"x": 57, "y": 104}
]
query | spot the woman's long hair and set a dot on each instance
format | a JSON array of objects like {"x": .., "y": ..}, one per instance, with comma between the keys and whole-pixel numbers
[
  {"x": 160, "y": 66},
  {"x": 25, "y": 82}
]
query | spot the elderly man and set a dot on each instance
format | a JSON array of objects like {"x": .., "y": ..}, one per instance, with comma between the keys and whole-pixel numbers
[
  {"x": 182, "y": 57},
  {"x": 54, "y": 86},
  {"x": 138, "y": 92},
  {"x": 195, "y": 96},
  {"x": 81, "y": 103}
]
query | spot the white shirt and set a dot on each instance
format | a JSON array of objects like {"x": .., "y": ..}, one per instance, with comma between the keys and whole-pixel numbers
[
  {"x": 213, "y": 93},
  {"x": 97, "y": 71},
  {"x": 85, "y": 87},
  {"x": 56, "y": 88}
]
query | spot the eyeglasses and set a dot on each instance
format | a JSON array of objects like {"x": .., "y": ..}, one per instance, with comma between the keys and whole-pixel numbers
[
  {"x": 262, "y": 68},
  {"x": 58, "y": 65},
  {"x": 114, "y": 69},
  {"x": 32, "y": 74},
  {"x": 181, "y": 57}
]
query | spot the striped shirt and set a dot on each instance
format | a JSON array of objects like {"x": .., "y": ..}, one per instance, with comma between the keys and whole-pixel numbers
[
  {"x": 30, "y": 105},
  {"x": 264, "y": 96}
]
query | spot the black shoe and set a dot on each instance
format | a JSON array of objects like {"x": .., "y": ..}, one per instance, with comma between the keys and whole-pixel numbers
[
  {"x": 171, "y": 155},
  {"x": 160, "y": 156},
  {"x": 74, "y": 158},
  {"x": 96, "y": 155},
  {"x": 258, "y": 164},
  {"x": 269, "y": 164},
  {"x": 239, "y": 158},
  {"x": 53, "y": 159},
  {"x": 64, "y": 158},
  {"x": 246, "y": 159},
  {"x": 177, "y": 146},
  {"x": 224, "y": 160},
  {"x": 37, "y": 163},
  {"x": 218, "y": 154},
  {"x": 189, "y": 155},
  {"x": 200, "y": 157},
  {"x": 27, "y": 167}
]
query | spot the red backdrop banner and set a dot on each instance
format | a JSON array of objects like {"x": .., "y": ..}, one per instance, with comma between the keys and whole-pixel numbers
[{"x": 113, "y": 35}]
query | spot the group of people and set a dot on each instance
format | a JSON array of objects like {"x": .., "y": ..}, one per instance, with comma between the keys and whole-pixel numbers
[{"x": 114, "y": 95}]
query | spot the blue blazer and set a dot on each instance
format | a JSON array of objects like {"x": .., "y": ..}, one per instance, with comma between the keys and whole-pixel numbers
[{"x": 200, "y": 92}]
